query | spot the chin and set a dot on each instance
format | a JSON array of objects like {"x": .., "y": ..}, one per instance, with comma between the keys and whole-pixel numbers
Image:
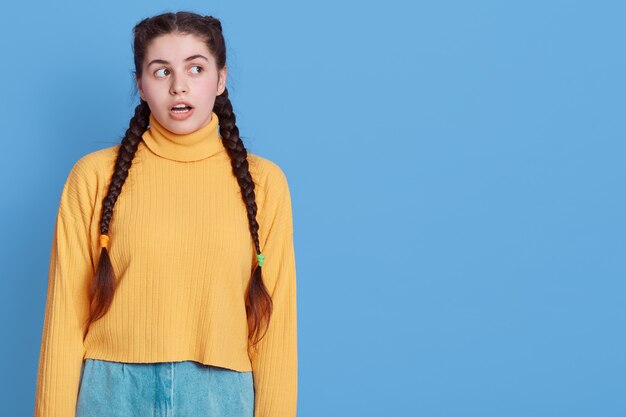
[
  {"x": 183, "y": 130},
  {"x": 181, "y": 127}
]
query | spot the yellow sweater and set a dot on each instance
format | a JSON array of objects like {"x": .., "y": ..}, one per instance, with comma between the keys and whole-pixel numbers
[{"x": 181, "y": 248}]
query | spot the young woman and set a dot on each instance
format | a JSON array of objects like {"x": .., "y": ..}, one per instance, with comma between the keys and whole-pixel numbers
[{"x": 172, "y": 285}]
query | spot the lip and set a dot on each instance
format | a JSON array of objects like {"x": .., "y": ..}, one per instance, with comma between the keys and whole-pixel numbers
[
  {"x": 180, "y": 102},
  {"x": 181, "y": 116}
]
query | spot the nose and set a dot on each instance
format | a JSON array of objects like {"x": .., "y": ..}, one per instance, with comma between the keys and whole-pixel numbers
[{"x": 178, "y": 86}]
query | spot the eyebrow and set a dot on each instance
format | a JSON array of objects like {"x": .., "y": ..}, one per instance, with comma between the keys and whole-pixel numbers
[{"x": 191, "y": 58}]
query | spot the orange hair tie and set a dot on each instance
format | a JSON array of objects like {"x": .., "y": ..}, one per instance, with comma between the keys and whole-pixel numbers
[{"x": 104, "y": 241}]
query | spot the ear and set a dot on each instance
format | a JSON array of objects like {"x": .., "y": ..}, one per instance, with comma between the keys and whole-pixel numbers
[
  {"x": 221, "y": 84},
  {"x": 140, "y": 89}
]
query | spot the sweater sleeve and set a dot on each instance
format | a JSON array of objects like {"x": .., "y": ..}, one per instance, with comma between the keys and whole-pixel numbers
[
  {"x": 275, "y": 362},
  {"x": 70, "y": 269}
]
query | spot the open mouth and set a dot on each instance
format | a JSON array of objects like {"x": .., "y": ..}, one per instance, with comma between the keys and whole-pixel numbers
[{"x": 180, "y": 109}]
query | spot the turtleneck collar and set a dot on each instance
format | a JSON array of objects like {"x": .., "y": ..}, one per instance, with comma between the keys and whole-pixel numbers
[{"x": 194, "y": 146}]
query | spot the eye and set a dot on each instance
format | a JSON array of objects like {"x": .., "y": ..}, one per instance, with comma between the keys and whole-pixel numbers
[
  {"x": 157, "y": 72},
  {"x": 198, "y": 66}
]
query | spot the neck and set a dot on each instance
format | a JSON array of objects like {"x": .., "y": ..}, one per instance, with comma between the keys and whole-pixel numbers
[{"x": 203, "y": 143}]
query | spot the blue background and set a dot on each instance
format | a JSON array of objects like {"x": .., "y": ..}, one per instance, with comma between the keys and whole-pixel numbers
[{"x": 457, "y": 174}]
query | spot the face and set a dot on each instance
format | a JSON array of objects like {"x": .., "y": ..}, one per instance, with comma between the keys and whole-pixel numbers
[{"x": 180, "y": 68}]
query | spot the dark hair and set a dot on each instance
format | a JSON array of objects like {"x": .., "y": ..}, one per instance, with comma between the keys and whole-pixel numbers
[{"x": 209, "y": 29}]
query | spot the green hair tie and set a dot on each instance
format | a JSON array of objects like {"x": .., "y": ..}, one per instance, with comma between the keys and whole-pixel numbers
[{"x": 260, "y": 258}]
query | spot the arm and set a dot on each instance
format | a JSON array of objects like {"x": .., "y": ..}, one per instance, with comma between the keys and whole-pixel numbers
[
  {"x": 275, "y": 363},
  {"x": 71, "y": 268}
]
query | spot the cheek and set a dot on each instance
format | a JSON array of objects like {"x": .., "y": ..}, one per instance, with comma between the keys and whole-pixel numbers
[
  {"x": 149, "y": 91},
  {"x": 208, "y": 84},
  {"x": 156, "y": 89}
]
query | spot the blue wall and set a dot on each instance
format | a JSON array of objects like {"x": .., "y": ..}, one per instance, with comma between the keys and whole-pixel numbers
[{"x": 457, "y": 171}]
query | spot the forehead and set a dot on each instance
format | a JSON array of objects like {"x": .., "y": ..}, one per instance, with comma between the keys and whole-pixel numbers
[{"x": 176, "y": 47}]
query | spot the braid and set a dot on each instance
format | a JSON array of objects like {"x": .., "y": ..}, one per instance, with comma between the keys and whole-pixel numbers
[
  {"x": 104, "y": 284},
  {"x": 239, "y": 162}
]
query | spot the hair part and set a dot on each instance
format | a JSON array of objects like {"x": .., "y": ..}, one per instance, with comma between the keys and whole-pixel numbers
[{"x": 209, "y": 29}]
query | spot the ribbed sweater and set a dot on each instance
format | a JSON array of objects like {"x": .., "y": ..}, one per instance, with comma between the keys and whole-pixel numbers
[{"x": 182, "y": 252}]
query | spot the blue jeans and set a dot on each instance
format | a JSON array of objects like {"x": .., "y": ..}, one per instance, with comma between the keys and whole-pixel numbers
[{"x": 163, "y": 389}]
